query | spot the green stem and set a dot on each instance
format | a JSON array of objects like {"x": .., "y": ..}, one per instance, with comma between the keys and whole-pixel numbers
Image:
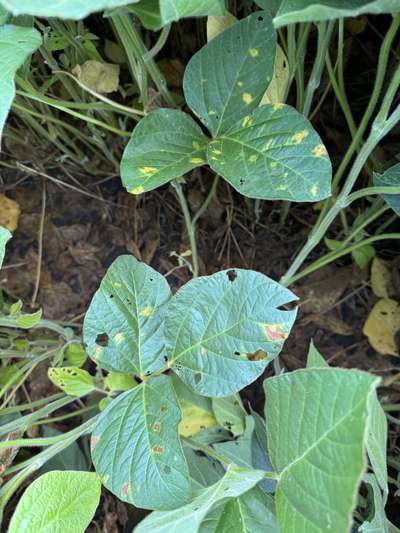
[
  {"x": 189, "y": 226},
  {"x": 207, "y": 201},
  {"x": 208, "y": 451}
]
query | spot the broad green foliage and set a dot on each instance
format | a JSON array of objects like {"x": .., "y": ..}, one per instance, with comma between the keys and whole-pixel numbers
[
  {"x": 16, "y": 45},
  {"x": 72, "y": 380},
  {"x": 5, "y": 236},
  {"x": 377, "y": 522},
  {"x": 175, "y": 9},
  {"x": 57, "y": 502},
  {"x": 377, "y": 441},
  {"x": 4, "y": 15},
  {"x": 228, "y": 77},
  {"x": 319, "y": 450},
  {"x": 122, "y": 326},
  {"x": 188, "y": 519},
  {"x": 136, "y": 449},
  {"x": 64, "y": 9},
  {"x": 165, "y": 145},
  {"x": 221, "y": 331},
  {"x": 292, "y": 11},
  {"x": 230, "y": 413},
  {"x": 274, "y": 153},
  {"x": 390, "y": 178}
]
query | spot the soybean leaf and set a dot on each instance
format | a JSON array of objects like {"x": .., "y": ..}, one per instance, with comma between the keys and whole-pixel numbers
[
  {"x": 230, "y": 413},
  {"x": 228, "y": 77},
  {"x": 136, "y": 448},
  {"x": 390, "y": 178},
  {"x": 116, "y": 381},
  {"x": 149, "y": 13},
  {"x": 122, "y": 328},
  {"x": 314, "y": 358},
  {"x": 377, "y": 441},
  {"x": 221, "y": 331},
  {"x": 188, "y": 519},
  {"x": 292, "y": 11},
  {"x": 57, "y": 501},
  {"x": 176, "y": 9},
  {"x": 16, "y": 45},
  {"x": 5, "y": 236},
  {"x": 377, "y": 522},
  {"x": 269, "y": 5},
  {"x": 72, "y": 380},
  {"x": 273, "y": 154},
  {"x": 204, "y": 471},
  {"x": 64, "y": 9},
  {"x": 4, "y": 15},
  {"x": 71, "y": 458},
  {"x": 319, "y": 452},
  {"x": 168, "y": 140}
]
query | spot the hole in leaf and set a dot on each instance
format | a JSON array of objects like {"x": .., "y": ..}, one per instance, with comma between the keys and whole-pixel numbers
[
  {"x": 197, "y": 377},
  {"x": 167, "y": 469},
  {"x": 241, "y": 181},
  {"x": 163, "y": 409},
  {"x": 231, "y": 275},
  {"x": 260, "y": 18},
  {"x": 111, "y": 296},
  {"x": 102, "y": 339},
  {"x": 236, "y": 353}
]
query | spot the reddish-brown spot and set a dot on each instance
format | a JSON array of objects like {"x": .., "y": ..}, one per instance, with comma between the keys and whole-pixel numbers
[
  {"x": 159, "y": 450},
  {"x": 93, "y": 443},
  {"x": 157, "y": 427},
  {"x": 275, "y": 332},
  {"x": 125, "y": 489},
  {"x": 163, "y": 409}
]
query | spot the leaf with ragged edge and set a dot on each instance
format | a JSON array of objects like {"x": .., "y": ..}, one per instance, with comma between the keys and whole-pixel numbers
[
  {"x": 164, "y": 145},
  {"x": 136, "y": 448},
  {"x": 16, "y": 45},
  {"x": 5, "y": 236},
  {"x": 222, "y": 330},
  {"x": 122, "y": 327},
  {"x": 230, "y": 413},
  {"x": 176, "y": 9},
  {"x": 319, "y": 452},
  {"x": 57, "y": 501},
  {"x": 228, "y": 77},
  {"x": 63, "y": 9},
  {"x": 72, "y": 380},
  {"x": 377, "y": 441},
  {"x": 390, "y": 178},
  {"x": 188, "y": 519},
  {"x": 292, "y": 11},
  {"x": 377, "y": 523},
  {"x": 275, "y": 154}
]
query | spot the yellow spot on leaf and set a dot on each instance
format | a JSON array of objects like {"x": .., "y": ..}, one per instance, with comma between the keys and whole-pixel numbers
[
  {"x": 119, "y": 337},
  {"x": 320, "y": 150},
  {"x": 147, "y": 311},
  {"x": 240, "y": 83},
  {"x": 97, "y": 351},
  {"x": 314, "y": 190},
  {"x": 247, "y": 121},
  {"x": 247, "y": 98},
  {"x": 274, "y": 164},
  {"x": 194, "y": 420},
  {"x": 278, "y": 106},
  {"x": 253, "y": 158},
  {"x": 137, "y": 190},
  {"x": 285, "y": 174},
  {"x": 211, "y": 113},
  {"x": 299, "y": 136},
  {"x": 197, "y": 161},
  {"x": 147, "y": 170},
  {"x": 254, "y": 52},
  {"x": 282, "y": 187},
  {"x": 196, "y": 145},
  {"x": 217, "y": 152},
  {"x": 105, "y": 478},
  {"x": 117, "y": 284}
]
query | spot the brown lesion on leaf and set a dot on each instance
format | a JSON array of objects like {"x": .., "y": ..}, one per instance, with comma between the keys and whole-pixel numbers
[
  {"x": 259, "y": 355},
  {"x": 275, "y": 332},
  {"x": 93, "y": 442},
  {"x": 158, "y": 450},
  {"x": 163, "y": 409},
  {"x": 157, "y": 427},
  {"x": 126, "y": 489}
]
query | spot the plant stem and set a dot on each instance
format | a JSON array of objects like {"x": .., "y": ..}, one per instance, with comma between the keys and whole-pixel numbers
[
  {"x": 208, "y": 451},
  {"x": 190, "y": 228}
]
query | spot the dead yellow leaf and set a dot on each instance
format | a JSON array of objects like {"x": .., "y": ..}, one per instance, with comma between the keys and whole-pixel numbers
[
  {"x": 381, "y": 278},
  {"x": 275, "y": 94},
  {"x": 383, "y": 325},
  {"x": 216, "y": 25},
  {"x": 194, "y": 420},
  {"x": 97, "y": 76},
  {"x": 9, "y": 213}
]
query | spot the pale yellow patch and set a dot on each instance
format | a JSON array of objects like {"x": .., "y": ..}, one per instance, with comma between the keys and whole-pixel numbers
[
  {"x": 214, "y": 158},
  {"x": 217, "y": 152},
  {"x": 253, "y": 158},
  {"x": 211, "y": 113},
  {"x": 282, "y": 187},
  {"x": 247, "y": 121},
  {"x": 196, "y": 145},
  {"x": 119, "y": 337},
  {"x": 117, "y": 284},
  {"x": 319, "y": 150},
  {"x": 247, "y": 98},
  {"x": 254, "y": 52},
  {"x": 137, "y": 190},
  {"x": 268, "y": 144},
  {"x": 314, "y": 190},
  {"x": 274, "y": 164},
  {"x": 285, "y": 174},
  {"x": 278, "y": 106},
  {"x": 240, "y": 83},
  {"x": 97, "y": 351},
  {"x": 105, "y": 478},
  {"x": 147, "y": 311},
  {"x": 299, "y": 136},
  {"x": 197, "y": 161},
  {"x": 147, "y": 170}
]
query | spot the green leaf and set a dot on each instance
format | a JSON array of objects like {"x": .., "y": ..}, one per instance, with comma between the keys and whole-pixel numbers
[
  {"x": 57, "y": 501},
  {"x": 176, "y": 9},
  {"x": 122, "y": 328},
  {"x": 269, "y": 5},
  {"x": 72, "y": 380},
  {"x": 377, "y": 441},
  {"x": 116, "y": 381},
  {"x": 222, "y": 330},
  {"x": 230, "y": 413},
  {"x": 314, "y": 358},
  {"x": 70, "y": 458},
  {"x": 292, "y": 11},
  {"x": 364, "y": 255},
  {"x": 63, "y": 9},
  {"x": 29, "y": 320},
  {"x": 204, "y": 471},
  {"x": 76, "y": 354},
  {"x": 5, "y": 236},
  {"x": 319, "y": 451},
  {"x": 164, "y": 145},
  {"x": 149, "y": 13},
  {"x": 136, "y": 449},
  {"x": 188, "y": 519},
  {"x": 390, "y": 178},
  {"x": 377, "y": 523},
  {"x": 4, "y": 15},
  {"x": 273, "y": 154},
  {"x": 16, "y": 45},
  {"x": 228, "y": 77}
]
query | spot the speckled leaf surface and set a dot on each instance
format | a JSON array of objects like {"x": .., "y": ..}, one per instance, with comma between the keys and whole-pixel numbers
[
  {"x": 17, "y": 43},
  {"x": 164, "y": 145},
  {"x": 390, "y": 178},
  {"x": 64, "y": 9},
  {"x": 5, "y": 236},
  {"x": 175, "y": 9},
  {"x": 136, "y": 449},
  {"x": 57, "y": 502},
  {"x": 123, "y": 326},
  {"x": 319, "y": 452},
  {"x": 222, "y": 330},
  {"x": 292, "y": 11},
  {"x": 188, "y": 519},
  {"x": 273, "y": 154},
  {"x": 228, "y": 77}
]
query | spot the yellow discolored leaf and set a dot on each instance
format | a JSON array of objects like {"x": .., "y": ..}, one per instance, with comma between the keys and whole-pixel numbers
[
  {"x": 194, "y": 420},
  {"x": 216, "y": 25},
  {"x": 9, "y": 213},
  {"x": 383, "y": 325},
  {"x": 275, "y": 93},
  {"x": 381, "y": 278},
  {"x": 97, "y": 76}
]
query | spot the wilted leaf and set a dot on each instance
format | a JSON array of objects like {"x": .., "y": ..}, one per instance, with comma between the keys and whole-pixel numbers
[
  {"x": 381, "y": 279},
  {"x": 97, "y": 76},
  {"x": 390, "y": 178},
  {"x": 9, "y": 213},
  {"x": 377, "y": 521},
  {"x": 72, "y": 380},
  {"x": 276, "y": 91},
  {"x": 382, "y": 326},
  {"x": 57, "y": 501}
]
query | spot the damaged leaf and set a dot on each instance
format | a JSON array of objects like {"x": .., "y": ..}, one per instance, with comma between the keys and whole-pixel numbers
[
  {"x": 383, "y": 325},
  {"x": 97, "y": 76},
  {"x": 72, "y": 380}
]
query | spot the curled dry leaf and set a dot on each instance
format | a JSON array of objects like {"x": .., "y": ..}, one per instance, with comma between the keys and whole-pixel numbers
[
  {"x": 97, "y": 76},
  {"x": 9, "y": 213},
  {"x": 381, "y": 279},
  {"x": 383, "y": 325}
]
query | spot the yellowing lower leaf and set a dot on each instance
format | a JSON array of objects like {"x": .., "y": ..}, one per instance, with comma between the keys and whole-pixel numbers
[
  {"x": 97, "y": 76},
  {"x": 382, "y": 326},
  {"x": 216, "y": 25},
  {"x": 194, "y": 420},
  {"x": 9, "y": 213},
  {"x": 381, "y": 278},
  {"x": 275, "y": 94}
]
